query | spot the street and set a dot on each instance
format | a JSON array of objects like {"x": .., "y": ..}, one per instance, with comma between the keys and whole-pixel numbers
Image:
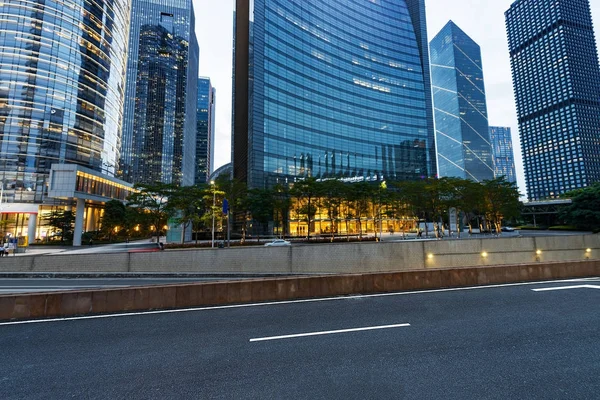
[{"x": 500, "y": 342}]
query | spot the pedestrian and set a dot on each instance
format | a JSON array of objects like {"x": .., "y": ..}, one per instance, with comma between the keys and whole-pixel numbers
[{"x": 91, "y": 242}]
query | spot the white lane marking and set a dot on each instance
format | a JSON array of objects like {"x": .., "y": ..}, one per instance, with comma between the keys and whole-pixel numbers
[
  {"x": 42, "y": 289},
  {"x": 566, "y": 288},
  {"x": 66, "y": 287},
  {"x": 369, "y": 328},
  {"x": 276, "y": 303},
  {"x": 32, "y": 291}
]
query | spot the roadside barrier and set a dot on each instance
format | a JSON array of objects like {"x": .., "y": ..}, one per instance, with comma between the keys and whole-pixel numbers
[{"x": 87, "y": 302}]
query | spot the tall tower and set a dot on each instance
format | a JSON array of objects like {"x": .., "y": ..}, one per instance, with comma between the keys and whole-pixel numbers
[
  {"x": 462, "y": 131},
  {"x": 159, "y": 131},
  {"x": 62, "y": 75},
  {"x": 504, "y": 156},
  {"x": 328, "y": 93},
  {"x": 556, "y": 80},
  {"x": 205, "y": 139}
]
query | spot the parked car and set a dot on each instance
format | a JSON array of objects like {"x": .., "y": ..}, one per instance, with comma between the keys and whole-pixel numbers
[
  {"x": 507, "y": 229},
  {"x": 278, "y": 242}
]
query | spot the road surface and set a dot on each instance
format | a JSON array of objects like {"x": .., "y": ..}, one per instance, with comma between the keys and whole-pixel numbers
[{"x": 503, "y": 342}]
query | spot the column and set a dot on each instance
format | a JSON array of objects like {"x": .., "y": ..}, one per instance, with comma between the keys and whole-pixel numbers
[
  {"x": 78, "y": 222},
  {"x": 90, "y": 223},
  {"x": 31, "y": 227}
]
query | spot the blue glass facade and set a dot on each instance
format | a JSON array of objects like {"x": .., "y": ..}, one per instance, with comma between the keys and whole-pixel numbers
[
  {"x": 504, "y": 156},
  {"x": 205, "y": 130},
  {"x": 159, "y": 130},
  {"x": 62, "y": 73},
  {"x": 462, "y": 131},
  {"x": 556, "y": 79},
  {"x": 331, "y": 89}
]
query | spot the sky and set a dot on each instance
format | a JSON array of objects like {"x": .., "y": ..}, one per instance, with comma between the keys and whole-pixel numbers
[{"x": 483, "y": 20}]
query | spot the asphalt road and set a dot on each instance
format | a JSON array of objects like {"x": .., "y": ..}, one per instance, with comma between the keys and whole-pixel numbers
[
  {"x": 14, "y": 285},
  {"x": 486, "y": 343}
]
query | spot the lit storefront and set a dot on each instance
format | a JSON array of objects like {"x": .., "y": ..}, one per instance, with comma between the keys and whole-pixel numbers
[
  {"x": 71, "y": 188},
  {"x": 347, "y": 223},
  {"x": 87, "y": 191}
]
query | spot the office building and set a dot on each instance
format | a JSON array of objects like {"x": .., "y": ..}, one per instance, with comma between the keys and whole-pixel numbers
[
  {"x": 461, "y": 122},
  {"x": 556, "y": 80},
  {"x": 62, "y": 74},
  {"x": 504, "y": 156},
  {"x": 205, "y": 131},
  {"x": 159, "y": 130},
  {"x": 331, "y": 89}
]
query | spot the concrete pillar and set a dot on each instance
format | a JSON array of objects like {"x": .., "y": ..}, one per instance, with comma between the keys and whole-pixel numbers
[
  {"x": 91, "y": 218},
  {"x": 78, "y": 222},
  {"x": 31, "y": 227},
  {"x": 96, "y": 219}
]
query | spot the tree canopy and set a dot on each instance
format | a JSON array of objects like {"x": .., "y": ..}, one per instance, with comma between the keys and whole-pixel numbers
[{"x": 584, "y": 212}]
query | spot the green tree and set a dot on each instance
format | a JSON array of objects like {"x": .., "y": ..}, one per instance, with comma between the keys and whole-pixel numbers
[
  {"x": 584, "y": 212},
  {"x": 467, "y": 197},
  {"x": 413, "y": 197},
  {"x": 333, "y": 192},
  {"x": 261, "y": 206},
  {"x": 236, "y": 193},
  {"x": 384, "y": 200},
  {"x": 282, "y": 203},
  {"x": 136, "y": 220},
  {"x": 501, "y": 201},
  {"x": 187, "y": 204},
  {"x": 151, "y": 200},
  {"x": 61, "y": 220},
  {"x": 307, "y": 192},
  {"x": 114, "y": 216},
  {"x": 361, "y": 195},
  {"x": 213, "y": 201}
]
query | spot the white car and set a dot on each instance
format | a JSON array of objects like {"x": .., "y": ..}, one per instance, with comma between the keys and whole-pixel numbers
[{"x": 278, "y": 242}]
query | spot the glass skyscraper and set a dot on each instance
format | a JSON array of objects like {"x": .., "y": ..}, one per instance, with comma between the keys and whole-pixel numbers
[
  {"x": 159, "y": 130},
  {"x": 556, "y": 79},
  {"x": 61, "y": 89},
  {"x": 331, "y": 89},
  {"x": 62, "y": 76},
  {"x": 205, "y": 139},
  {"x": 504, "y": 156},
  {"x": 461, "y": 122}
]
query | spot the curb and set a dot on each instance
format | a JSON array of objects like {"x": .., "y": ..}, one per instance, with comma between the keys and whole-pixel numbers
[
  {"x": 107, "y": 301},
  {"x": 92, "y": 275}
]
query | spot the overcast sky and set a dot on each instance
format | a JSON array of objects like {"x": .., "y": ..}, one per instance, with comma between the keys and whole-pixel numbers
[{"x": 483, "y": 20}]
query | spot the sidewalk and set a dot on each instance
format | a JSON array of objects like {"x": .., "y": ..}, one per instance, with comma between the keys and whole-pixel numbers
[
  {"x": 40, "y": 250},
  {"x": 37, "y": 250}
]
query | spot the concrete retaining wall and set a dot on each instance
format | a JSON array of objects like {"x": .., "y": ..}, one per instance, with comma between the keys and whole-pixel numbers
[
  {"x": 324, "y": 259},
  {"x": 65, "y": 304}
]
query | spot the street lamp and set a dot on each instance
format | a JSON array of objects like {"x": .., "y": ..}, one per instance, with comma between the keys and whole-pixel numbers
[
  {"x": 212, "y": 185},
  {"x": 382, "y": 187}
]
